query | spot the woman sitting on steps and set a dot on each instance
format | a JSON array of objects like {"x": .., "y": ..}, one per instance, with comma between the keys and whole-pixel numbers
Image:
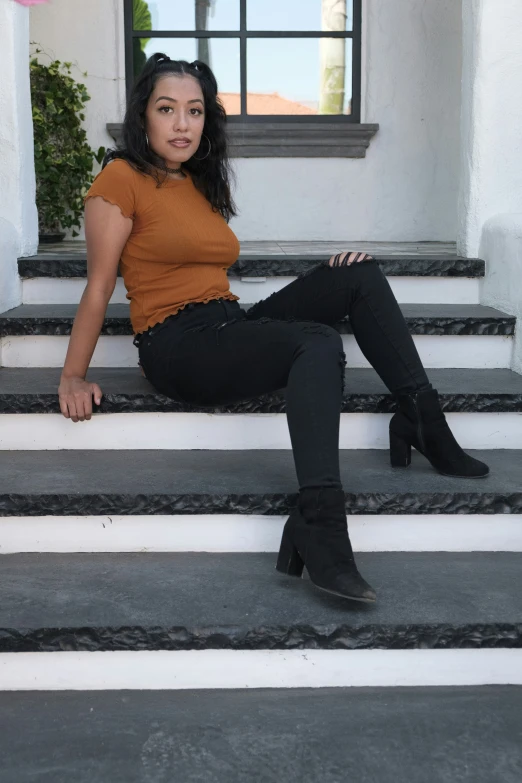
[{"x": 161, "y": 208}]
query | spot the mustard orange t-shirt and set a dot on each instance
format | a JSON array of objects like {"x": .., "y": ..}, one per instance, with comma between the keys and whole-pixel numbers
[{"x": 178, "y": 250}]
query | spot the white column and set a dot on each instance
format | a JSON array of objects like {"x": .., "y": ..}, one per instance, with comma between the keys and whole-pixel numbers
[
  {"x": 491, "y": 118},
  {"x": 18, "y": 215},
  {"x": 490, "y": 197}
]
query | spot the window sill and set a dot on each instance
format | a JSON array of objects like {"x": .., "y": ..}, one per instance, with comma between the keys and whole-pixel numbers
[{"x": 291, "y": 139}]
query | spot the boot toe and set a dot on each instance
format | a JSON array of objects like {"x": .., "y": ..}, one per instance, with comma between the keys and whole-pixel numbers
[
  {"x": 354, "y": 586},
  {"x": 481, "y": 469},
  {"x": 475, "y": 468}
]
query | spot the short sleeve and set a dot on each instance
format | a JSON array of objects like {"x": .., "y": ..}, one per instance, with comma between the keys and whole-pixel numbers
[{"x": 116, "y": 183}]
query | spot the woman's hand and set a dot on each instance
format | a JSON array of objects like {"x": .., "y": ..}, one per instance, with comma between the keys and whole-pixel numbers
[
  {"x": 348, "y": 257},
  {"x": 76, "y": 395}
]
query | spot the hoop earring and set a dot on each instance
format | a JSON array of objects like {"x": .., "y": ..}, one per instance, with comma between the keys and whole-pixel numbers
[
  {"x": 209, "y": 148},
  {"x": 147, "y": 139}
]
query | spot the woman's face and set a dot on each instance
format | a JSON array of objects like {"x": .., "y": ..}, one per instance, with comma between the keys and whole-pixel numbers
[{"x": 175, "y": 110}]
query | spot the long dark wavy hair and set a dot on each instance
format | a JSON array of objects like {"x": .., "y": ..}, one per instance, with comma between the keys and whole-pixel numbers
[{"x": 213, "y": 173}]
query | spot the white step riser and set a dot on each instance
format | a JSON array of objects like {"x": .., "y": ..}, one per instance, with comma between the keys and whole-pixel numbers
[
  {"x": 183, "y": 669},
  {"x": 436, "y": 351},
  {"x": 419, "y": 290},
  {"x": 231, "y": 431},
  {"x": 255, "y": 533}
]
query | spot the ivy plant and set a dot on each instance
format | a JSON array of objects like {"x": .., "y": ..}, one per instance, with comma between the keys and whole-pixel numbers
[{"x": 63, "y": 159}]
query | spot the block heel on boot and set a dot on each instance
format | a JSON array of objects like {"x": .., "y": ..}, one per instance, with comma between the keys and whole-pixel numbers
[
  {"x": 420, "y": 422},
  {"x": 289, "y": 560},
  {"x": 316, "y": 535},
  {"x": 400, "y": 451}
]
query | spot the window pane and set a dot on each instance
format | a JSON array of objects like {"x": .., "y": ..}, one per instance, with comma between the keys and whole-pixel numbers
[
  {"x": 186, "y": 14},
  {"x": 299, "y": 76},
  {"x": 221, "y": 54},
  {"x": 300, "y": 15}
]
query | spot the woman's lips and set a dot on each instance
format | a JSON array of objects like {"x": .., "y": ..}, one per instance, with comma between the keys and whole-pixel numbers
[{"x": 180, "y": 143}]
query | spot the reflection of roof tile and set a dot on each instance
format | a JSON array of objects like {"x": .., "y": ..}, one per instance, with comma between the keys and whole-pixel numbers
[{"x": 263, "y": 103}]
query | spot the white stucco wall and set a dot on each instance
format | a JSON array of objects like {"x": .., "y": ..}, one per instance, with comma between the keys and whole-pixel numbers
[
  {"x": 406, "y": 187},
  {"x": 18, "y": 217},
  {"x": 490, "y": 198},
  {"x": 90, "y": 36},
  {"x": 491, "y": 170},
  {"x": 501, "y": 245}
]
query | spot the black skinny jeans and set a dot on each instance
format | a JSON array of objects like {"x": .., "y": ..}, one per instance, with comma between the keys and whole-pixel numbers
[{"x": 217, "y": 353}]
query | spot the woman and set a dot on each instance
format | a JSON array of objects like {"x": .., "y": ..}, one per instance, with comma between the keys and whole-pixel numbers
[{"x": 162, "y": 207}]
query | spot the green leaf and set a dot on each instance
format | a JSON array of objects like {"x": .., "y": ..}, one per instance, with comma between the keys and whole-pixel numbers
[
  {"x": 142, "y": 21},
  {"x": 63, "y": 157},
  {"x": 100, "y": 154}
]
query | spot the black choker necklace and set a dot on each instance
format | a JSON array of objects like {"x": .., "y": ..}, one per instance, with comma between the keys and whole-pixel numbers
[{"x": 174, "y": 171}]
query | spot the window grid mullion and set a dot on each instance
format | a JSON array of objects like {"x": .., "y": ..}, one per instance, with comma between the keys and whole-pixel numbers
[
  {"x": 243, "y": 34},
  {"x": 357, "y": 59},
  {"x": 128, "y": 34},
  {"x": 242, "y": 59},
  {"x": 239, "y": 33}
]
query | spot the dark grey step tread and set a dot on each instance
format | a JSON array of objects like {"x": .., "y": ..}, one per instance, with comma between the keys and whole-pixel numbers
[
  {"x": 422, "y": 319},
  {"x": 49, "y": 264},
  {"x": 243, "y": 481},
  {"x": 197, "y": 600},
  {"x": 34, "y": 390},
  {"x": 287, "y": 735}
]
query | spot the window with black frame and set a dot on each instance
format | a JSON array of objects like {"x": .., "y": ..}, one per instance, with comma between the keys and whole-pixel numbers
[{"x": 274, "y": 60}]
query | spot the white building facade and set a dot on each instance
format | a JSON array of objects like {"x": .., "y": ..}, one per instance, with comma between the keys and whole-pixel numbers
[{"x": 439, "y": 78}]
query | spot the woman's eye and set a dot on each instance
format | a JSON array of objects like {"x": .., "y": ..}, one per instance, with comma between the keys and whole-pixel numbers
[{"x": 170, "y": 107}]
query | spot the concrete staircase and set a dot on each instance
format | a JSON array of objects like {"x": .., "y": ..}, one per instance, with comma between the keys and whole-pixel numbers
[{"x": 139, "y": 552}]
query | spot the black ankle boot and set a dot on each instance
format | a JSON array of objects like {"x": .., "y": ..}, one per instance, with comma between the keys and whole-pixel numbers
[
  {"x": 420, "y": 422},
  {"x": 316, "y": 535}
]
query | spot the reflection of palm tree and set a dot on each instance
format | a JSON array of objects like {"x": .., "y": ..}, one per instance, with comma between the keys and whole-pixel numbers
[
  {"x": 201, "y": 8},
  {"x": 142, "y": 20},
  {"x": 332, "y": 58}
]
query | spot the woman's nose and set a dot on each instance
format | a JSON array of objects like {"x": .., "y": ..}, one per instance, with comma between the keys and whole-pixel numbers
[{"x": 180, "y": 121}]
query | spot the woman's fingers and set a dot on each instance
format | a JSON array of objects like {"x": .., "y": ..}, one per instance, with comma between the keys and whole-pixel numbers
[
  {"x": 64, "y": 408},
  {"x": 83, "y": 402},
  {"x": 79, "y": 405},
  {"x": 97, "y": 393},
  {"x": 73, "y": 415},
  {"x": 76, "y": 397},
  {"x": 86, "y": 405}
]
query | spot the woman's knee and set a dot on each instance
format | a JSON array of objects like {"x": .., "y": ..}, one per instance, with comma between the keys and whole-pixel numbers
[
  {"x": 324, "y": 344},
  {"x": 365, "y": 275},
  {"x": 315, "y": 329},
  {"x": 322, "y": 339}
]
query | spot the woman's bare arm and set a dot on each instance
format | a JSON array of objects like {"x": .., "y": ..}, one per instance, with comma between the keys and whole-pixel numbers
[{"x": 106, "y": 233}]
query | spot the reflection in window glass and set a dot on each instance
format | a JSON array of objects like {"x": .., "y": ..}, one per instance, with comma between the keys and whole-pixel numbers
[
  {"x": 300, "y": 15},
  {"x": 300, "y": 76},
  {"x": 186, "y": 14},
  {"x": 222, "y": 55}
]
